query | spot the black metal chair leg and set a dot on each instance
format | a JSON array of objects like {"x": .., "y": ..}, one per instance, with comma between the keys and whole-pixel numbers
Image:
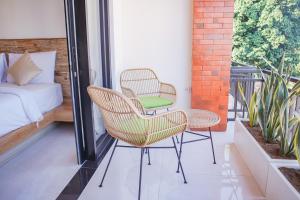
[
  {"x": 180, "y": 152},
  {"x": 179, "y": 162},
  {"x": 212, "y": 145},
  {"x": 141, "y": 172},
  {"x": 112, "y": 153},
  {"x": 177, "y": 139},
  {"x": 149, "y": 161}
]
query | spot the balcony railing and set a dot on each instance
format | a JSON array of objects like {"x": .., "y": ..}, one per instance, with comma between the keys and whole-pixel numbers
[{"x": 251, "y": 79}]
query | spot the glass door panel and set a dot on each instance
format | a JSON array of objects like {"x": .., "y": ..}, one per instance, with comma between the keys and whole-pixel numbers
[{"x": 95, "y": 61}]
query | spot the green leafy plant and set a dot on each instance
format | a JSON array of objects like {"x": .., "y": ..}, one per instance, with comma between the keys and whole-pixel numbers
[
  {"x": 271, "y": 96},
  {"x": 286, "y": 123},
  {"x": 271, "y": 108},
  {"x": 267, "y": 28},
  {"x": 267, "y": 108},
  {"x": 281, "y": 119},
  {"x": 251, "y": 107},
  {"x": 297, "y": 143},
  {"x": 289, "y": 124}
]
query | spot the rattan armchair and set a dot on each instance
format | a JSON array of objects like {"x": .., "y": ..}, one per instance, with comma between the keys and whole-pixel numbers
[
  {"x": 144, "y": 85},
  {"x": 125, "y": 122}
]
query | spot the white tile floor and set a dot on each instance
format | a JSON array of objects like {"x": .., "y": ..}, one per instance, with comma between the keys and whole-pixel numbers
[
  {"x": 228, "y": 179},
  {"x": 42, "y": 170},
  {"x": 30, "y": 175}
]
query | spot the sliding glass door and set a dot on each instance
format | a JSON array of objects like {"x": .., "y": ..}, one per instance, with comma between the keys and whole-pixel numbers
[
  {"x": 87, "y": 25},
  {"x": 95, "y": 69},
  {"x": 99, "y": 60}
]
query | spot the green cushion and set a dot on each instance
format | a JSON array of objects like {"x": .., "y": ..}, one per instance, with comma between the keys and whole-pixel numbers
[
  {"x": 135, "y": 125},
  {"x": 150, "y": 102},
  {"x": 139, "y": 125},
  {"x": 135, "y": 130}
]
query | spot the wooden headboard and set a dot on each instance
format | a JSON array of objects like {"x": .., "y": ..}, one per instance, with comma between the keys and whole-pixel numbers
[{"x": 49, "y": 44}]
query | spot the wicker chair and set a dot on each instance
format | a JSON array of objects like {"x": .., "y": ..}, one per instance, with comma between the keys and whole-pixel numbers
[
  {"x": 143, "y": 84},
  {"x": 125, "y": 122}
]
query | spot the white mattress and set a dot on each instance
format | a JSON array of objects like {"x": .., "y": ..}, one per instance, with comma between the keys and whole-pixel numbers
[{"x": 12, "y": 115}]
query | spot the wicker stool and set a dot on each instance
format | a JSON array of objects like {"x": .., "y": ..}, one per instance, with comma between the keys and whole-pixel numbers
[{"x": 200, "y": 119}]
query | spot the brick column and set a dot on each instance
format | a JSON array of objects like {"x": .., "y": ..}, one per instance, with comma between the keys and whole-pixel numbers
[{"x": 212, "y": 46}]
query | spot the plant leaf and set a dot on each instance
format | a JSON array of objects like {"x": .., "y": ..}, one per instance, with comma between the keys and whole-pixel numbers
[{"x": 297, "y": 143}]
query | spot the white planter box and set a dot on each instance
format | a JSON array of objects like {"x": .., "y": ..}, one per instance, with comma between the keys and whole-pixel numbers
[
  {"x": 257, "y": 160},
  {"x": 278, "y": 186}
]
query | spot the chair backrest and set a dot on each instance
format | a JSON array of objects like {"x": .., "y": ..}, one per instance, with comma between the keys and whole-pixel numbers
[
  {"x": 142, "y": 81},
  {"x": 120, "y": 116}
]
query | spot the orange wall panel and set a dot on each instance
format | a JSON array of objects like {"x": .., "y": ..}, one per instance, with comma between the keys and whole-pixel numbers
[{"x": 212, "y": 46}]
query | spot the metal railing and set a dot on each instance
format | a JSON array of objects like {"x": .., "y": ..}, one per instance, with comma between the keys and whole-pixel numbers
[
  {"x": 251, "y": 79},
  {"x": 248, "y": 77}
]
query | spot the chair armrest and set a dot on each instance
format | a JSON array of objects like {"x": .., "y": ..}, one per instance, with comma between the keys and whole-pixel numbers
[
  {"x": 171, "y": 119},
  {"x": 138, "y": 105},
  {"x": 128, "y": 92},
  {"x": 168, "y": 91}
]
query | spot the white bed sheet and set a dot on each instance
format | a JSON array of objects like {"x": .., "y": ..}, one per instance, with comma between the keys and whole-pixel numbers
[{"x": 12, "y": 115}]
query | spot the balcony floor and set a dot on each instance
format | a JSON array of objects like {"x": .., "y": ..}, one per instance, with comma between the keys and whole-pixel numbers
[
  {"x": 41, "y": 170},
  {"x": 31, "y": 176},
  {"x": 228, "y": 179}
]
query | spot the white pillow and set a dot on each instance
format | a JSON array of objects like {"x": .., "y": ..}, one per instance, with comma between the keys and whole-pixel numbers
[
  {"x": 3, "y": 67},
  {"x": 44, "y": 60}
]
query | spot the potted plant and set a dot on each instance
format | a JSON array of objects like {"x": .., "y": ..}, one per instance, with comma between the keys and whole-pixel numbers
[
  {"x": 284, "y": 179},
  {"x": 267, "y": 136}
]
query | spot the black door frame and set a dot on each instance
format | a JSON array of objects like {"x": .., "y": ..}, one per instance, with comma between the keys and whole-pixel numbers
[
  {"x": 87, "y": 147},
  {"x": 105, "y": 42}
]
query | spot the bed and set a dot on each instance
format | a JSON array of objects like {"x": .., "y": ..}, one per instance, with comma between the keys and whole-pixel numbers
[
  {"x": 46, "y": 103},
  {"x": 43, "y": 97}
]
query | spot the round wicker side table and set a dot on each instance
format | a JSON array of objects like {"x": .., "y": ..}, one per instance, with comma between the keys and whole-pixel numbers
[{"x": 200, "y": 119}]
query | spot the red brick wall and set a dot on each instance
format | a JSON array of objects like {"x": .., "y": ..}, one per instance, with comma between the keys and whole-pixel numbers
[{"x": 212, "y": 43}]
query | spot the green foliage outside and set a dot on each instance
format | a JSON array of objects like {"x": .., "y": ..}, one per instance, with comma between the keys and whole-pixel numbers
[{"x": 267, "y": 29}]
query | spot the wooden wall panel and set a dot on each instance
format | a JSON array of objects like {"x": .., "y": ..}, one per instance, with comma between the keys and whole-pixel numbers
[{"x": 49, "y": 44}]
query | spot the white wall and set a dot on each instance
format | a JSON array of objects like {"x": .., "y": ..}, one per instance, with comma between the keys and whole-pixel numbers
[
  {"x": 156, "y": 34},
  {"x": 32, "y": 19}
]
